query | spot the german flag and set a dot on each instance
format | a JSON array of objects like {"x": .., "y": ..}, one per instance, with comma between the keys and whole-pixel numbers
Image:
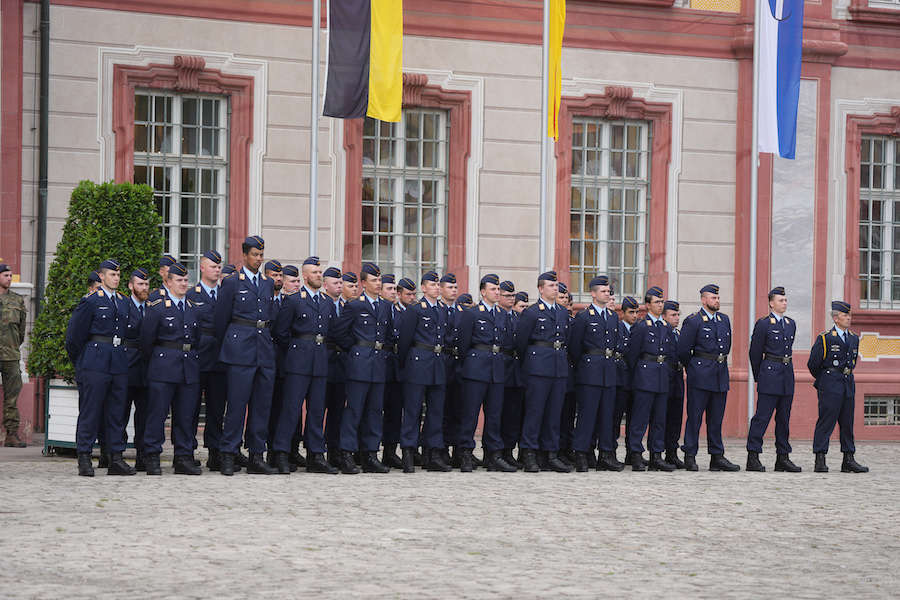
[{"x": 364, "y": 76}]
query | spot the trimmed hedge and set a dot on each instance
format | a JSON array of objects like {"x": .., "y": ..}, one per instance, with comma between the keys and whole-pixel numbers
[{"x": 107, "y": 220}]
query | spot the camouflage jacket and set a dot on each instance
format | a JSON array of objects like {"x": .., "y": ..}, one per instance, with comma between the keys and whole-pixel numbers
[{"x": 12, "y": 325}]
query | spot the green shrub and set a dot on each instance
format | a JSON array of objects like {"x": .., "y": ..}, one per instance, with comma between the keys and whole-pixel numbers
[{"x": 108, "y": 220}]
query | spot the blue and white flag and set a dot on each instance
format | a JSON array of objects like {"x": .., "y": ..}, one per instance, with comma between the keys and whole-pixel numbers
[{"x": 780, "y": 57}]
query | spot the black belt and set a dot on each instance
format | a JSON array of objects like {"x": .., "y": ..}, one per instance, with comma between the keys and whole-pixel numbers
[
  {"x": 657, "y": 358},
  {"x": 174, "y": 346},
  {"x": 208, "y": 331},
  {"x": 116, "y": 341},
  {"x": 719, "y": 358},
  {"x": 607, "y": 352},
  {"x": 436, "y": 349},
  {"x": 785, "y": 360},
  {"x": 332, "y": 346},
  {"x": 557, "y": 345},
  {"x": 318, "y": 338},
  {"x": 368, "y": 344},
  {"x": 131, "y": 344},
  {"x": 249, "y": 323},
  {"x": 844, "y": 371},
  {"x": 493, "y": 349}
]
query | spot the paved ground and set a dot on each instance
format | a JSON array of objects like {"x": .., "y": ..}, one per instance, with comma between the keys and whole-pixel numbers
[{"x": 455, "y": 535}]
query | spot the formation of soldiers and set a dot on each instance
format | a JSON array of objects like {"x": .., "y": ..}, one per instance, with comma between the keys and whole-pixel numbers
[{"x": 352, "y": 365}]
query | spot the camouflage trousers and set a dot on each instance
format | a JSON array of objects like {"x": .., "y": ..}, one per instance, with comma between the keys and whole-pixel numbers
[{"x": 12, "y": 385}]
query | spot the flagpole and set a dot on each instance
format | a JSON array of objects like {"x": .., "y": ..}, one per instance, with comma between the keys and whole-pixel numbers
[
  {"x": 545, "y": 104},
  {"x": 754, "y": 196},
  {"x": 314, "y": 129}
]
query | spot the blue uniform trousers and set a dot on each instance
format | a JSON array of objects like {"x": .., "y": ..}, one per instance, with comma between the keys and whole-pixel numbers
[
  {"x": 361, "y": 417},
  {"x": 335, "y": 396},
  {"x": 674, "y": 413},
  {"x": 713, "y": 404},
  {"x": 275, "y": 410},
  {"x": 250, "y": 394},
  {"x": 452, "y": 413},
  {"x": 180, "y": 397},
  {"x": 834, "y": 408},
  {"x": 648, "y": 409},
  {"x": 101, "y": 404},
  {"x": 213, "y": 390},
  {"x": 137, "y": 396},
  {"x": 475, "y": 395},
  {"x": 567, "y": 421},
  {"x": 596, "y": 408},
  {"x": 511, "y": 417},
  {"x": 766, "y": 404},
  {"x": 393, "y": 412},
  {"x": 542, "y": 412},
  {"x": 624, "y": 405},
  {"x": 297, "y": 388},
  {"x": 432, "y": 435}
]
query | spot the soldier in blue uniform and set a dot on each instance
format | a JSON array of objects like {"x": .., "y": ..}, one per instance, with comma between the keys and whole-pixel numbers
[
  {"x": 624, "y": 391},
  {"x": 703, "y": 348},
  {"x": 567, "y": 420},
  {"x": 274, "y": 271},
  {"x": 541, "y": 345},
  {"x": 301, "y": 330},
  {"x": 649, "y": 364},
  {"x": 675, "y": 402},
  {"x": 242, "y": 317},
  {"x": 350, "y": 289},
  {"x": 335, "y": 394},
  {"x": 365, "y": 332},
  {"x": 393, "y": 388},
  {"x": 771, "y": 351},
  {"x": 592, "y": 347},
  {"x": 165, "y": 261},
  {"x": 831, "y": 362},
  {"x": 449, "y": 289},
  {"x": 139, "y": 286},
  {"x": 421, "y": 345},
  {"x": 211, "y": 387},
  {"x": 513, "y": 390},
  {"x": 482, "y": 332},
  {"x": 170, "y": 335},
  {"x": 95, "y": 345}
]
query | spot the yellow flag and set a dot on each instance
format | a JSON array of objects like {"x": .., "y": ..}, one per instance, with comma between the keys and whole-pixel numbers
[
  {"x": 557, "y": 29},
  {"x": 386, "y": 60}
]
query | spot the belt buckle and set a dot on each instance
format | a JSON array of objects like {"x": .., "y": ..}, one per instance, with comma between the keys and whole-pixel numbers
[
  {"x": 185, "y": 347},
  {"x": 557, "y": 344},
  {"x": 846, "y": 371},
  {"x": 438, "y": 349},
  {"x": 379, "y": 345},
  {"x": 260, "y": 324},
  {"x": 786, "y": 360},
  {"x": 661, "y": 358},
  {"x": 319, "y": 339},
  {"x": 608, "y": 353},
  {"x": 116, "y": 341},
  {"x": 721, "y": 358}
]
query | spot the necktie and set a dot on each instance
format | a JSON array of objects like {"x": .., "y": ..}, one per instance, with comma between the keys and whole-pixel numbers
[
  {"x": 181, "y": 305},
  {"x": 141, "y": 310},
  {"x": 254, "y": 281},
  {"x": 212, "y": 294},
  {"x": 316, "y": 299}
]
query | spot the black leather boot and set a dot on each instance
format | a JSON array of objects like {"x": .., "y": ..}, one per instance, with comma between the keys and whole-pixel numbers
[
  {"x": 541, "y": 456},
  {"x": 418, "y": 458},
  {"x": 241, "y": 461},
  {"x": 184, "y": 465},
  {"x": 509, "y": 459},
  {"x": 371, "y": 464},
  {"x": 821, "y": 467},
  {"x": 348, "y": 464},
  {"x": 672, "y": 459},
  {"x": 495, "y": 462},
  {"x": 357, "y": 459},
  {"x": 334, "y": 458},
  {"x": 408, "y": 460},
  {"x": 437, "y": 461},
  {"x": 85, "y": 466},
  {"x": 282, "y": 463},
  {"x": 658, "y": 464},
  {"x": 257, "y": 466},
  {"x": 690, "y": 462},
  {"x": 753, "y": 463},
  {"x": 566, "y": 456},
  {"x": 296, "y": 459},
  {"x": 455, "y": 457},
  {"x": 783, "y": 463},
  {"x": 139, "y": 464},
  {"x": 608, "y": 462},
  {"x": 151, "y": 461},
  {"x": 466, "y": 464},
  {"x": 103, "y": 463},
  {"x": 592, "y": 459},
  {"x": 316, "y": 463},
  {"x": 637, "y": 462},
  {"x": 529, "y": 460},
  {"x": 581, "y": 462},
  {"x": 118, "y": 466},
  {"x": 477, "y": 462},
  {"x": 556, "y": 464},
  {"x": 389, "y": 457},
  {"x": 226, "y": 463},
  {"x": 851, "y": 466},
  {"x": 213, "y": 461},
  {"x": 718, "y": 462}
]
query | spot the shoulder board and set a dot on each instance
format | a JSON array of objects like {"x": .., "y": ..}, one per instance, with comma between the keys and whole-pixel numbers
[
  {"x": 289, "y": 294},
  {"x": 154, "y": 302},
  {"x": 229, "y": 275},
  {"x": 188, "y": 301},
  {"x": 540, "y": 306},
  {"x": 772, "y": 320},
  {"x": 424, "y": 304},
  {"x": 86, "y": 295},
  {"x": 197, "y": 289},
  {"x": 168, "y": 304},
  {"x": 263, "y": 276},
  {"x": 303, "y": 294},
  {"x": 91, "y": 293},
  {"x": 786, "y": 320},
  {"x": 481, "y": 307},
  {"x": 119, "y": 296},
  {"x": 241, "y": 276},
  {"x": 851, "y": 333},
  {"x": 459, "y": 308},
  {"x": 649, "y": 323}
]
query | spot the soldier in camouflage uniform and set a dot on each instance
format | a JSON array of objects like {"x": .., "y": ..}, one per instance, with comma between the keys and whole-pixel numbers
[{"x": 12, "y": 334}]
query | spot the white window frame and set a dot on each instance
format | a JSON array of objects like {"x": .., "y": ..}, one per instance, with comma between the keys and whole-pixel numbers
[{"x": 887, "y": 223}]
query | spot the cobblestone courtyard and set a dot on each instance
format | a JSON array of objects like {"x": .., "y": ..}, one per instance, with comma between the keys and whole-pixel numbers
[{"x": 593, "y": 535}]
